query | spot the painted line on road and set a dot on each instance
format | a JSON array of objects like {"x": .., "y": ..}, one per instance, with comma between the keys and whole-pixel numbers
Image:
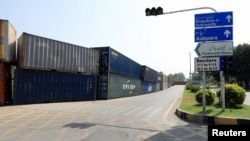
[{"x": 166, "y": 114}]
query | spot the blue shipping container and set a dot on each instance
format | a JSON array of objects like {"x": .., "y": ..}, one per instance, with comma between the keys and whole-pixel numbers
[
  {"x": 148, "y": 74},
  {"x": 33, "y": 86},
  {"x": 148, "y": 87},
  {"x": 111, "y": 61}
]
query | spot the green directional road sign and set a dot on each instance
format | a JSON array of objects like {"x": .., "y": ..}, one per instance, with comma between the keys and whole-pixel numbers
[{"x": 223, "y": 48}]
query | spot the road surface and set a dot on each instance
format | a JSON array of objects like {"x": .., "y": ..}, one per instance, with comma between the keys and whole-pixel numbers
[{"x": 147, "y": 117}]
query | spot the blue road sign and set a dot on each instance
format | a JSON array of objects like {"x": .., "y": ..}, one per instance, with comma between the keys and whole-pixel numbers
[
  {"x": 214, "y": 34},
  {"x": 214, "y": 19}
]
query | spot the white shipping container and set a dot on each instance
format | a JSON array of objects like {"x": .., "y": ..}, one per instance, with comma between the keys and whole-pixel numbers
[
  {"x": 7, "y": 42},
  {"x": 40, "y": 53}
]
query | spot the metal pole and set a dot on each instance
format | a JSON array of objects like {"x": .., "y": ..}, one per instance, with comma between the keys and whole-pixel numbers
[
  {"x": 204, "y": 92},
  {"x": 222, "y": 77},
  {"x": 199, "y": 8}
]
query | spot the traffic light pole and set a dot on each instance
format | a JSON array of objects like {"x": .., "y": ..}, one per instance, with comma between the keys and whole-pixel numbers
[
  {"x": 203, "y": 73},
  {"x": 192, "y": 9},
  {"x": 159, "y": 11}
]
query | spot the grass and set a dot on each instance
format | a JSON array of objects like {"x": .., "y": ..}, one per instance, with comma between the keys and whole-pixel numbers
[{"x": 189, "y": 104}]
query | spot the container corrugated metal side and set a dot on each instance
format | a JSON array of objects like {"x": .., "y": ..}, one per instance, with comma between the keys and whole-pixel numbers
[
  {"x": 5, "y": 84},
  {"x": 112, "y": 61},
  {"x": 163, "y": 83},
  {"x": 40, "y": 53},
  {"x": 7, "y": 42},
  {"x": 148, "y": 74},
  {"x": 164, "y": 86},
  {"x": 117, "y": 86},
  {"x": 170, "y": 80},
  {"x": 33, "y": 86},
  {"x": 158, "y": 87},
  {"x": 148, "y": 87}
]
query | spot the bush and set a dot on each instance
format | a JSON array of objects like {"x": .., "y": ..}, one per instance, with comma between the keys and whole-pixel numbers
[
  {"x": 195, "y": 88},
  {"x": 188, "y": 85},
  {"x": 234, "y": 95},
  {"x": 210, "y": 96}
]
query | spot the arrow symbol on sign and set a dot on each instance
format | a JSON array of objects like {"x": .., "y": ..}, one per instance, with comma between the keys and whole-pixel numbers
[
  {"x": 229, "y": 17},
  {"x": 197, "y": 49},
  {"x": 227, "y": 33}
]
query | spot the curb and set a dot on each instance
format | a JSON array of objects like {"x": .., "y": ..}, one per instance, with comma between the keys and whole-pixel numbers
[{"x": 210, "y": 120}]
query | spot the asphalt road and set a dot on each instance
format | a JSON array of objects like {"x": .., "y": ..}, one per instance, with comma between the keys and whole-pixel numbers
[{"x": 148, "y": 117}]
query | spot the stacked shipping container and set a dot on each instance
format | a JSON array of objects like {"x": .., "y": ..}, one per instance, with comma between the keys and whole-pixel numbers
[
  {"x": 5, "y": 84},
  {"x": 52, "y": 71},
  {"x": 119, "y": 76},
  {"x": 7, "y": 42},
  {"x": 149, "y": 79},
  {"x": 39, "y": 53},
  {"x": 49, "y": 70},
  {"x": 164, "y": 81},
  {"x": 35, "y": 86},
  {"x": 7, "y": 58}
]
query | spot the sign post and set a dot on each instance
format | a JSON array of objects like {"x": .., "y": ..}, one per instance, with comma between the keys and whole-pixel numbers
[{"x": 210, "y": 30}]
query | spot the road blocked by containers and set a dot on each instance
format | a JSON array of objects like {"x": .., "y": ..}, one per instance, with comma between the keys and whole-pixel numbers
[{"x": 48, "y": 70}]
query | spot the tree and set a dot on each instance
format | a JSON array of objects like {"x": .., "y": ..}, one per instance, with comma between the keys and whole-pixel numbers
[
  {"x": 179, "y": 77},
  {"x": 242, "y": 64}
]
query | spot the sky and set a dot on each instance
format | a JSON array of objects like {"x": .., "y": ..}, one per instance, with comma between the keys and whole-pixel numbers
[{"x": 164, "y": 43}]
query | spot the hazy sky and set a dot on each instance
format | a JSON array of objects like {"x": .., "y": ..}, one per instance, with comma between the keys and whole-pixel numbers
[{"x": 160, "y": 42}]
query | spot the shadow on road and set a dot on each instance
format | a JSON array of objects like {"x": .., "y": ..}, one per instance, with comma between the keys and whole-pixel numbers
[{"x": 186, "y": 132}]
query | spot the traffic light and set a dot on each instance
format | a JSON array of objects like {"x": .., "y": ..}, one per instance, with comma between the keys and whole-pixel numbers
[
  {"x": 153, "y": 11},
  {"x": 229, "y": 64}
]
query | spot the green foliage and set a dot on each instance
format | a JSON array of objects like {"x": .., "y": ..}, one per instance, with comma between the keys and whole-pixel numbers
[
  {"x": 194, "y": 88},
  {"x": 179, "y": 77},
  {"x": 210, "y": 96},
  {"x": 234, "y": 95},
  {"x": 188, "y": 86}
]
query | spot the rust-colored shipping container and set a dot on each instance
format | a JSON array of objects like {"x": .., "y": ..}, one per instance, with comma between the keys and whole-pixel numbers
[
  {"x": 5, "y": 84},
  {"x": 7, "y": 42}
]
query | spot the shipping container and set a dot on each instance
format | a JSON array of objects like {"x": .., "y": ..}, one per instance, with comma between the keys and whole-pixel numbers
[
  {"x": 148, "y": 74},
  {"x": 170, "y": 80},
  {"x": 33, "y": 86},
  {"x": 7, "y": 42},
  {"x": 40, "y": 53},
  {"x": 5, "y": 84},
  {"x": 148, "y": 87},
  {"x": 163, "y": 86},
  {"x": 164, "y": 82},
  {"x": 158, "y": 86},
  {"x": 116, "y": 86},
  {"x": 112, "y": 61}
]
